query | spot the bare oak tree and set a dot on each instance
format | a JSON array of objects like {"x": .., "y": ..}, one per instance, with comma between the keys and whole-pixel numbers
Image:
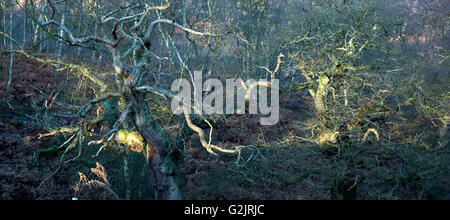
[{"x": 137, "y": 30}]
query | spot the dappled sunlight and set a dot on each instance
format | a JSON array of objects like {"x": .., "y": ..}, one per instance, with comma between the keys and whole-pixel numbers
[
  {"x": 132, "y": 140},
  {"x": 229, "y": 100}
]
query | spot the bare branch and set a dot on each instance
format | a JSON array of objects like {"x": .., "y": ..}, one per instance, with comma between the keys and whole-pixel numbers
[
  {"x": 159, "y": 91},
  {"x": 147, "y": 11},
  {"x": 10, "y": 38},
  {"x": 277, "y": 68},
  {"x": 62, "y": 130},
  {"x": 366, "y": 135},
  {"x": 110, "y": 134},
  {"x": 167, "y": 21},
  {"x": 74, "y": 40},
  {"x": 87, "y": 107},
  {"x": 207, "y": 145},
  {"x": 108, "y": 16},
  {"x": 70, "y": 147}
]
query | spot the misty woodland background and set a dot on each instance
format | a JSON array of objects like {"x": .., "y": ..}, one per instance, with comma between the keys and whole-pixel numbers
[{"x": 364, "y": 99}]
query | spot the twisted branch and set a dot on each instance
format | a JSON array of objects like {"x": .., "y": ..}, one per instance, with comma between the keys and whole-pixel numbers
[{"x": 207, "y": 145}]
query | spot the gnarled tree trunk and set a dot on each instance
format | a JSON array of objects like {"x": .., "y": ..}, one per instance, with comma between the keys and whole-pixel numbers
[{"x": 164, "y": 170}]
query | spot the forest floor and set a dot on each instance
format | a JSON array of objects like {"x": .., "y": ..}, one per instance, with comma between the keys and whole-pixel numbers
[{"x": 281, "y": 164}]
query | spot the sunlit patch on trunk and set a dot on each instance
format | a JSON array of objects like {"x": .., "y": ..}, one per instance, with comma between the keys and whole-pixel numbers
[{"x": 132, "y": 140}]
